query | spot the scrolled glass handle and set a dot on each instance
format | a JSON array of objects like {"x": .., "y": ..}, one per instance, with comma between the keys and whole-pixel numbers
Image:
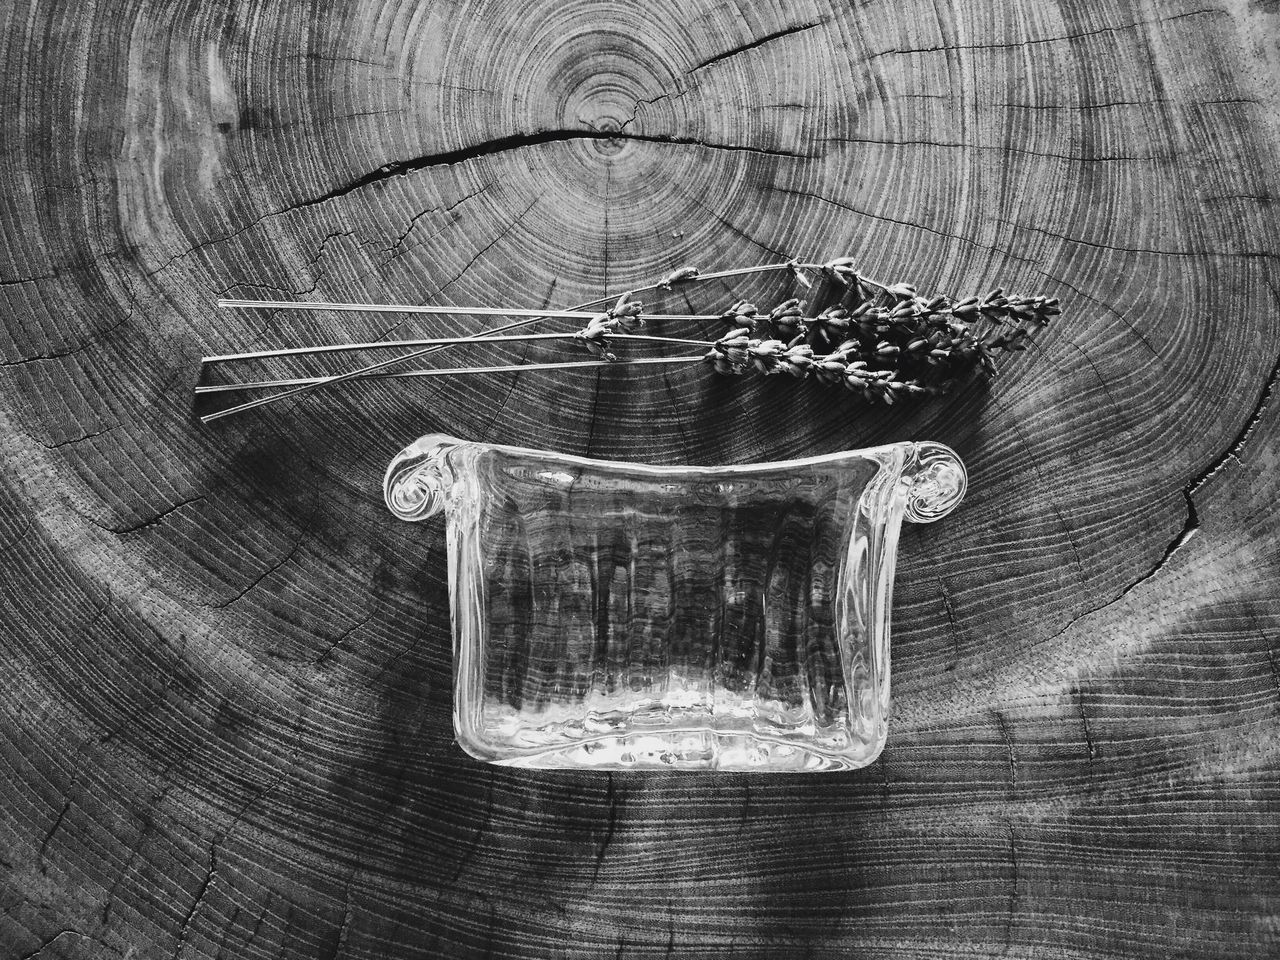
[
  {"x": 938, "y": 482},
  {"x": 418, "y": 479}
]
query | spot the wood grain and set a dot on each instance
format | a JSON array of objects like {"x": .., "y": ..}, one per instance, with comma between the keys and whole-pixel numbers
[{"x": 224, "y": 729}]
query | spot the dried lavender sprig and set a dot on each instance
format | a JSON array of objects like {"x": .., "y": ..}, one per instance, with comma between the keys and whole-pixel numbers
[
  {"x": 913, "y": 347},
  {"x": 798, "y": 359}
]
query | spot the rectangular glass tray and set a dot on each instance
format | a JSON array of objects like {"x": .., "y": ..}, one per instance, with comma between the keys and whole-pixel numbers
[{"x": 616, "y": 615}]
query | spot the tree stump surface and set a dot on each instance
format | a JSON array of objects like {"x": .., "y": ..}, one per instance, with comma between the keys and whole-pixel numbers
[{"x": 225, "y": 724}]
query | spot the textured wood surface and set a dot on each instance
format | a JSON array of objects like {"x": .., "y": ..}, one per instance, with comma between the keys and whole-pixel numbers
[{"x": 224, "y": 667}]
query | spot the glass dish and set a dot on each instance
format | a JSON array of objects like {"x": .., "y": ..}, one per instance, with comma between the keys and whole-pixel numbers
[{"x": 616, "y": 615}]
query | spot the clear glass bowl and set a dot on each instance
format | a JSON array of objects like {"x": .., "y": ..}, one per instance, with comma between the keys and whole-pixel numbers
[{"x": 617, "y": 615}]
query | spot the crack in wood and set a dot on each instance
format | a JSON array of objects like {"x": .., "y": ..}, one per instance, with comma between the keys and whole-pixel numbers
[
  {"x": 316, "y": 276},
  {"x": 506, "y": 229},
  {"x": 1192, "y": 523},
  {"x": 1005, "y": 148},
  {"x": 135, "y": 849},
  {"x": 950, "y": 609},
  {"x": 611, "y": 798},
  {"x": 328, "y": 651},
  {"x": 516, "y": 141},
  {"x": 152, "y": 521},
  {"x": 635, "y": 111},
  {"x": 50, "y": 942},
  {"x": 211, "y": 875},
  {"x": 1103, "y": 105},
  {"x": 399, "y": 242},
  {"x": 338, "y": 945},
  {"x": 677, "y": 403},
  {"x": 1032, "y": 41},
  {"x": 72, "y": 351},
  {"x": 882, "y": 218},
  {"x": 266, "y": 573},
  {"x": 1005, "y": 735},
  {"x": 1275, "y": 667},
  {"x": 1044, "y": 484},
  {"x": 199, "y": 898},
  {"x": 757, "y": 43},
  {"x": 591, "y": 419},
  {"x": 469, "y": 854},
  {"x": 303, "y": 533},
  {"x": 196, "y": 248},
  {"x": 1084, "y": 724},
  {"x": 1112, "y": 311},
  {"x": 18, "y": 281},
  {"x": 1156, "y": 252},
  {"x": 74, "y": 440},
  {"x": 21, "y": 535},
  {"x": 738, "y": 231},
  {"x": 44, "y": 844}
]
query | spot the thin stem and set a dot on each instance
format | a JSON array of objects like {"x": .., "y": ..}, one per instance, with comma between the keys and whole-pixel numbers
[
  {"x": 381, "y": 365},
  {"x": 789, "y": 265},
  {"x": 443, "y": 342},
  {"x": 374, "y": 367},
  {"x": 396, "y": 308},
  {"x": 401, "y": 374},
  {"x": 743, "y": 271},
  {"x": 435, "y": 310}
]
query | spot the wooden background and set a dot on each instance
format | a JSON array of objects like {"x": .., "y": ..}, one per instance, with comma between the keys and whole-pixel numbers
[{"x": 224, "y": 667}]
